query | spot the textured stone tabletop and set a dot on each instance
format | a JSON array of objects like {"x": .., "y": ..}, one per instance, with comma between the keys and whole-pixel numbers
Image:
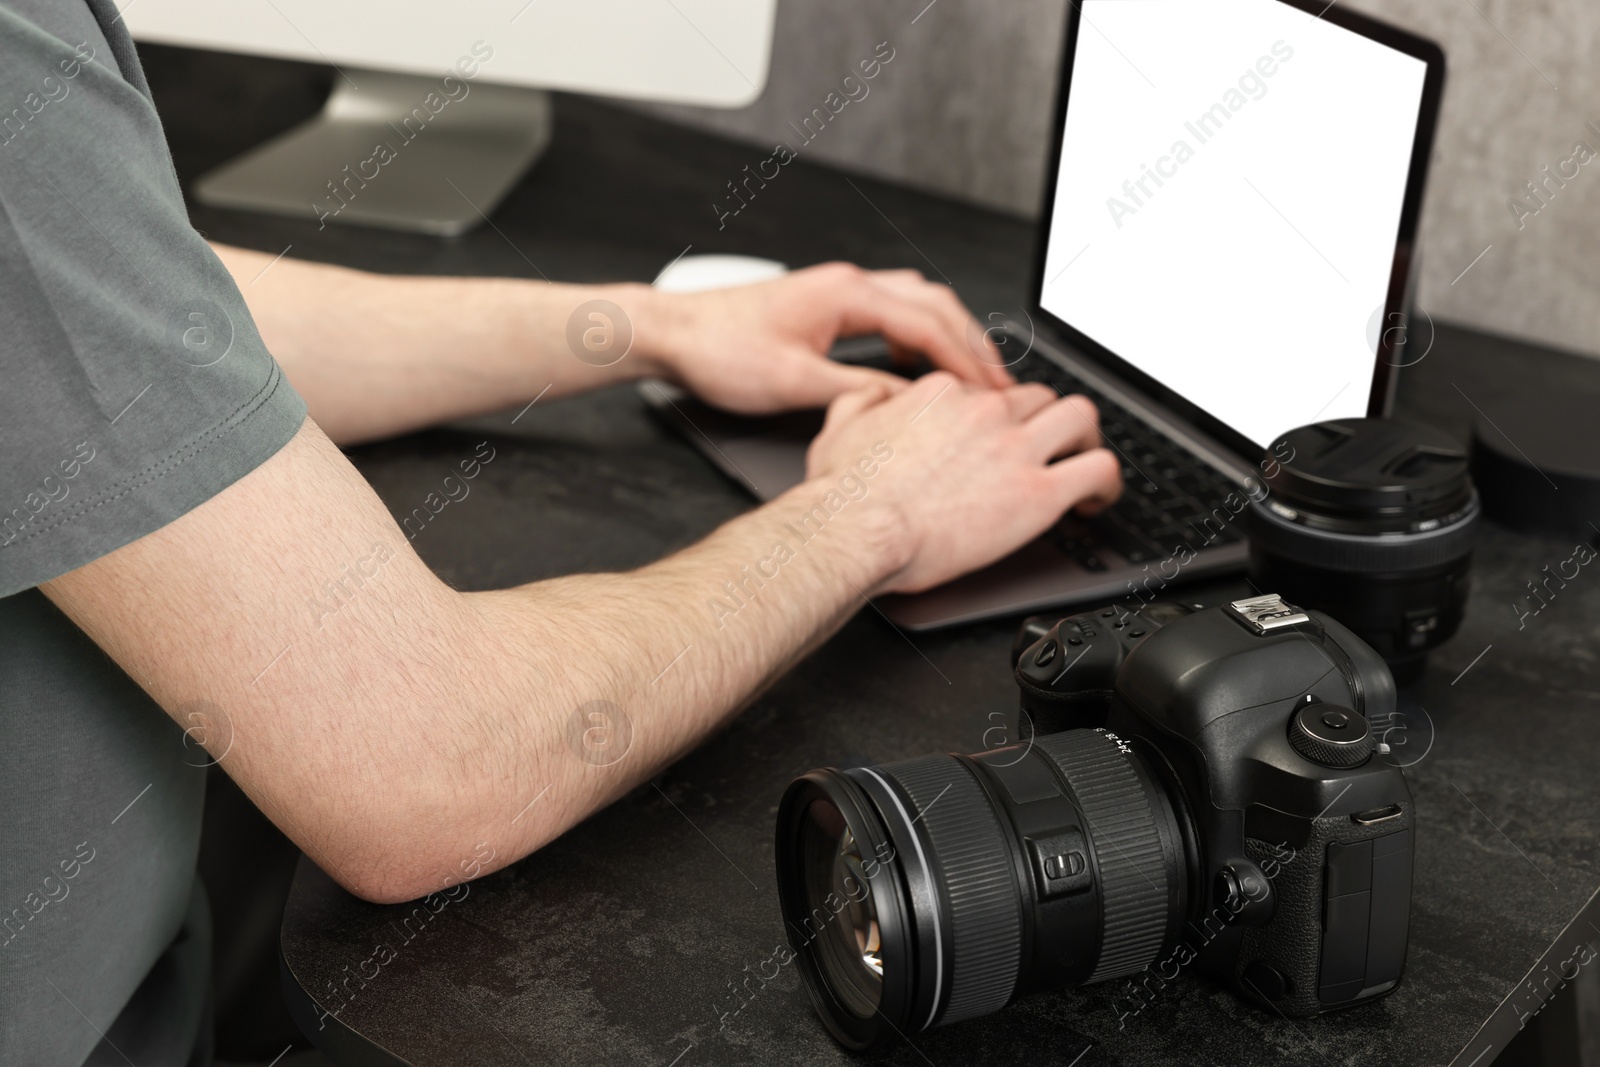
[{"x": 624, "y": 941}]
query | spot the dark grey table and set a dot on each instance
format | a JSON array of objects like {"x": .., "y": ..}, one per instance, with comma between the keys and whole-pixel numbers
[{"x": 623, "y": 941}]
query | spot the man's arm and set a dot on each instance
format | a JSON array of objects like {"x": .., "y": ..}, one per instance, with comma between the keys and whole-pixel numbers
[
  {"x": 392, "y": 728},
  {"x": 375, "y": 355}
]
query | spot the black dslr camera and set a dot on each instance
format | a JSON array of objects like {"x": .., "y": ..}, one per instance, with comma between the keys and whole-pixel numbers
[{"x": 1219, "y": 801}]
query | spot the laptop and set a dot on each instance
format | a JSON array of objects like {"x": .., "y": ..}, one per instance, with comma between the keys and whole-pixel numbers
[{"x": 1225, "y": 253}]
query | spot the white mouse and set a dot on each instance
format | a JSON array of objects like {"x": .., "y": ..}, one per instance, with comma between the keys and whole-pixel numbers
[{"x": 693, "y": 274}]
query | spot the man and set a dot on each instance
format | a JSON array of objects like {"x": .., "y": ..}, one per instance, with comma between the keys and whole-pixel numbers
[{"x": 166, "y": 498}]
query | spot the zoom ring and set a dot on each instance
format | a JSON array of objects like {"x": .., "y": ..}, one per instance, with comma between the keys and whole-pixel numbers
[
  {"x": 985, "y": 920},
  {"x": 1133, "y": 873}
]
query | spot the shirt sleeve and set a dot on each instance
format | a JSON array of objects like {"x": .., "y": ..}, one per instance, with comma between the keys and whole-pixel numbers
[{"x": 133, "y": 383}]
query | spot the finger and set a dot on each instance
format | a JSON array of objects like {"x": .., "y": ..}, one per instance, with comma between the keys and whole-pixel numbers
[
  {"x": 1088, "y": 482},
  {"x": 821, "y": 380},
  {"x": 900, "y": 275},
  {"x": 1070, "y": 424},
  {"x": 879, "y": 308},
  {"x": 975, "y": 336},
  {"x": 1026, "y": 401}
]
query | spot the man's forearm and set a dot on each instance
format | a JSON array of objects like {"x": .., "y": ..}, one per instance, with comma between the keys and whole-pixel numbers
[
  {"x": 406, "y": 735},
  {"x": 629, "y": 671},
  {"x": 376, "y": 355}
]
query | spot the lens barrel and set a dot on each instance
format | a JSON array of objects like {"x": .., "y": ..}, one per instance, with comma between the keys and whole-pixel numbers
[
  {"x": 1372, "y": 521},
  {"x": 938, "y": 889}
]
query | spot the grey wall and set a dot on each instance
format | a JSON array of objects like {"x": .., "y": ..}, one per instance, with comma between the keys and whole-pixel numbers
[{"x": 965, "y": 108}]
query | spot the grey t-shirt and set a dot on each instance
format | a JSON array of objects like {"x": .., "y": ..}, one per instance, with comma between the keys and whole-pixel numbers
[{"x": 133, "y": 387}]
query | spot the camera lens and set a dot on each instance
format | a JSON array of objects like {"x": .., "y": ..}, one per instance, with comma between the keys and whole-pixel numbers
[
  {"x": 939, "y": 889},
  {"x": 1372, "y": 521}
]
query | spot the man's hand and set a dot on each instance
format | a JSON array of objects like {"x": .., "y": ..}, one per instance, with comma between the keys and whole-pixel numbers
[
  {"x": 762, "y": 348},
  {"x": 974, "y": 473}
]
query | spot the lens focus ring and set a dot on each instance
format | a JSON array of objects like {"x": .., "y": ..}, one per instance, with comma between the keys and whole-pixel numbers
[
  {"x": 1363, "y": 553},
  {"x": 985, "y": 918},
  {"x": 1134, "y": 876}
]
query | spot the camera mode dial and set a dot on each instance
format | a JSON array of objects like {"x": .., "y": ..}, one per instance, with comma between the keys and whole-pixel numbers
[{"x": 1331, "y": 735}]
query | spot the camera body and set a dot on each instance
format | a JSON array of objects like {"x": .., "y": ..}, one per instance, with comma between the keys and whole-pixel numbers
[
  {"x": 1298, "y": 834},
  {"x": 1209, "y": 794}
]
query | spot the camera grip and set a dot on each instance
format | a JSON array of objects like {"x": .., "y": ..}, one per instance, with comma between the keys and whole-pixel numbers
[{"x": 1338, "y": 937}]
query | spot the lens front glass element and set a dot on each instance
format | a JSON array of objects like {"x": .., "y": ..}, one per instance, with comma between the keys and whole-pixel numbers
[{"x": 841, "y": 920}]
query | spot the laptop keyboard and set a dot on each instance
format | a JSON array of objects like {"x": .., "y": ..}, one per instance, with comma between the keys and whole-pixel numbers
[{"x": 1170, "y": 497}]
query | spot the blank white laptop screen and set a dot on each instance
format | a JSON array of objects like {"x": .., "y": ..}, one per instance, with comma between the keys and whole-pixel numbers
[{"x": 1228, "y": 201}]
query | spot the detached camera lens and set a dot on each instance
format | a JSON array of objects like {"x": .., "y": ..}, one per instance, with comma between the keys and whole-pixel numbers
[
  {"x": 939, "y": 889},
  {"x": 1372, "y": 521}
]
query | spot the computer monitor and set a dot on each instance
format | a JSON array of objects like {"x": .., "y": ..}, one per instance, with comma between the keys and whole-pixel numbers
[
  {"x": 438, "y": 108},
  {"x": 1234, "y": 202}
]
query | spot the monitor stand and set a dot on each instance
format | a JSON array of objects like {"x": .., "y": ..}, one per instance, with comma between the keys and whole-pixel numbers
[{"x": 397, "y": 153}]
